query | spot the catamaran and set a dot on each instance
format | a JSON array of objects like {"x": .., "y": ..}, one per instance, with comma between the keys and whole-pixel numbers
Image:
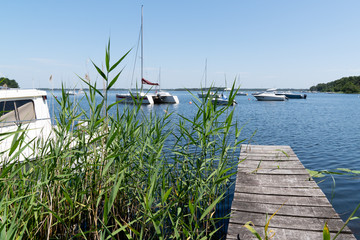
[{"x": 148, "y": 97}]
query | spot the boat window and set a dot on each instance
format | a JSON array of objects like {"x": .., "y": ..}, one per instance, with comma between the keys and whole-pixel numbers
[
  {"x": 7, "y": 114},
  {"x": 25, "y": 109},
  {"x": 14, "y": 112}
]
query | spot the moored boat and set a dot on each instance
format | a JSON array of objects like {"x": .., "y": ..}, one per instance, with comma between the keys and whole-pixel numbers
[
  {"x": 241, "y": 94},
  {"x": 70, "y": 92},
  {"x": 223, "y": 100},
  {"x": 159, "y": 97},
  {"x": 162, "y": 97},
  {"x": 135, "y": 97},
  {"x": 26, "y": 109},
  {"x": 209, "y": 94},
  {"x": 291, "y": 95},
  {"x": 269, "y": 95}
]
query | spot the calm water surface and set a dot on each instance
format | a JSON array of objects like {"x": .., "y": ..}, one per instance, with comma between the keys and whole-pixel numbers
[{"x": 323, "y": 130}]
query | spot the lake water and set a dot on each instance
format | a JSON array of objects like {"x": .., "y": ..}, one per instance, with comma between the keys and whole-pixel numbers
[{"x": 323, "y": 130}]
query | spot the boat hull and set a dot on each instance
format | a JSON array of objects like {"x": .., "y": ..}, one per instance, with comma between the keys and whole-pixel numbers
[
  {"x": 131, "y": 99},
  {"x": 270, "y": 98},
  {"x": 162, "y": 97},
  {"x": 165, "y": 100},
  {"x": 293, "y": 95},
  {"x": 147, "y": 98},
  {"x": 223, "y": 102},
  {"x": 211, "y": 94}
]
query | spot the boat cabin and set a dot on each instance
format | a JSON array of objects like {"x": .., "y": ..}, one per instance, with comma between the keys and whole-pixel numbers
[{"x": 23, "y": 110}]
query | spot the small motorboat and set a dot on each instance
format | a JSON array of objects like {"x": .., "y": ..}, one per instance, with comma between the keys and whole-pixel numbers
[
  {"x": 241, "y": 94},
  {"x": 269, "y": 95},
  {"x": 209, "y": 94},
  {"x": 223, "y": 100},
  {"x": 70, "y": 92}
]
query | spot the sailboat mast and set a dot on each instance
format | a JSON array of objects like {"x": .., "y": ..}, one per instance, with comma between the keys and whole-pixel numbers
[
  {"x": 205, "y": 72},
  {"x": 142, "y": 47},
  {"x": 159, "y": 79}
]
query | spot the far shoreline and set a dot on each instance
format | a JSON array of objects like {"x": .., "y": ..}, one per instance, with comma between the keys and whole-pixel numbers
[{"x": 192, "y": 89}]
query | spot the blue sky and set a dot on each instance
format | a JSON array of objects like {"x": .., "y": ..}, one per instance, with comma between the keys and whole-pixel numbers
[{"x": 261, "y": 43}]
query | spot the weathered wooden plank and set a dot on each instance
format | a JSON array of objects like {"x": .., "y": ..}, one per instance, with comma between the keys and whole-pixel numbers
[
  {"x": 296, "y": 181},
  {"x": 268, "y": 153},
  {"x": 286, "y": 210},
  {"x": 248, "y": 148},
  {"x": 288, "y": 234},
  {"x": 268, "y": 179},
  {"x": 266, "y": 157},
  {"x": 271, "y": 164},
  {"x": 279, "y": 151},
  {"x": 276, "y": 199},
  {"x": 301, "y": 192},
  {"x": 288, "y": 222},
  {"x": 272, "y": 171}
]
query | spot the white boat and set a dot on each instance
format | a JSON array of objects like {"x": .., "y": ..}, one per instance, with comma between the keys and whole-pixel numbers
[
  {"x": 159, "y": 97},
  {"x": 269, "y": 95},
  {"x": 81, "y": 91},
  {"x": 70, "y": 92},
  {"x": 164, "y": 97},
  {"x": 206, "y": 93},
  {"x": 223, "y": 100},
  {"x": 209, "y": 94},
  {"x": 135, "y": 97},
  {"x": 26, "y": 110},
  {"x": 241, "y": 94}
]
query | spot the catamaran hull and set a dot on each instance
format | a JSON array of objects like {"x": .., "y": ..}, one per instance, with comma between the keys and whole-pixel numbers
[
  {"x": 148, "y": 99},
  {"x": 130, "y": 99},
  {"x": 165, "y": 99}
]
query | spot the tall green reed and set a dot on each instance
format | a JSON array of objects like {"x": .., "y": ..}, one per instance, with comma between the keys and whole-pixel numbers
[{"x": 129, "y": 175}]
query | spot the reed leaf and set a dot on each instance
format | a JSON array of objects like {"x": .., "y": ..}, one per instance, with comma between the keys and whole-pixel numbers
[
  {"x": 249, "y": 225},
  {"x": 326, "y": 232}
]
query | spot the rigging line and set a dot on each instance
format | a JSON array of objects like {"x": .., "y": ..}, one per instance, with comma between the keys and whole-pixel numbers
[{"x": 136, "y": 54}]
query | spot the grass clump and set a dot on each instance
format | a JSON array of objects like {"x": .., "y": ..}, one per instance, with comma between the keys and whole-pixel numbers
[{"x": 127, "y": 175}]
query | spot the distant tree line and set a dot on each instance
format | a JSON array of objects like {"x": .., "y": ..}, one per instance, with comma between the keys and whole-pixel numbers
[
  {"x": 345, "y": 85},
  {"x": 5, "y": 82}
]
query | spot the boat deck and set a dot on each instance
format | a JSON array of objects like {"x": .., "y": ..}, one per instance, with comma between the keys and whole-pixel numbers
[{"x": 270, "y": 179}]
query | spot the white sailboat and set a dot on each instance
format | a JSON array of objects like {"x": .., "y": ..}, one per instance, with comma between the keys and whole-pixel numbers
[
  {"x": 205, "y": 93},
  {"x": 158, "y": 97},
  {"x": 163, "y": 96}
]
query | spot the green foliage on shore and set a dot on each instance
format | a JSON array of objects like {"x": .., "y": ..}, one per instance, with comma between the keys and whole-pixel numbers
[
  {"x": 128, "y": 176},
  {"x": 9, "y": 83},
  {"x": 344, "y": 85}
]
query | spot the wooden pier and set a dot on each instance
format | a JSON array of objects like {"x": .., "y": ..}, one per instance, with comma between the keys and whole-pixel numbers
[{"x": 272, "y": 178}]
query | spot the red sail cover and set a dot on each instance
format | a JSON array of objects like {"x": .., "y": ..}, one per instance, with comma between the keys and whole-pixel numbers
[{"x": 144, "y": 81}]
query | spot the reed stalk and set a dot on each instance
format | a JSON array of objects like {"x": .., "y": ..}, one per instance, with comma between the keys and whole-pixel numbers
[{"x": 127, "y": 175}]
